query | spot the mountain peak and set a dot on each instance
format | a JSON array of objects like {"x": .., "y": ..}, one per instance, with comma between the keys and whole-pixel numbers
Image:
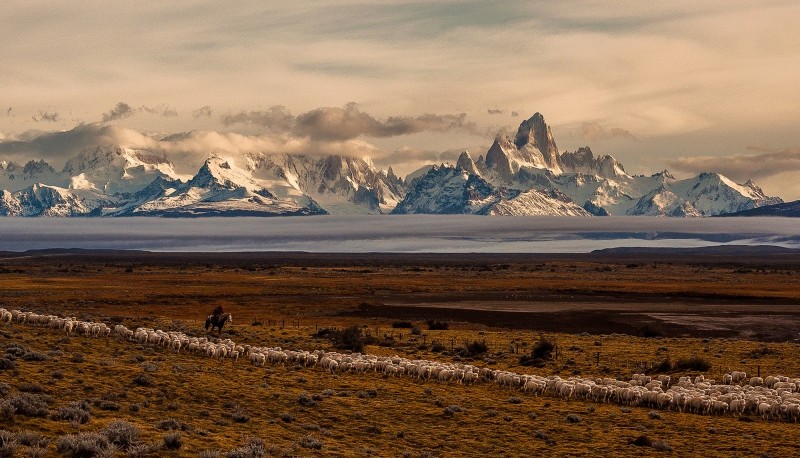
[
  {"x": 537, "y": 133},
  {"x": 466, "y": 163}
]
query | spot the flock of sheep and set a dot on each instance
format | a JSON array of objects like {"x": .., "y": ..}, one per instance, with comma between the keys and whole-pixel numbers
[{"x": 773, "y": 397}]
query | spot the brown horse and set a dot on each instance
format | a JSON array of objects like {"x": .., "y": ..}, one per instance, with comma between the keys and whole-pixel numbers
[{"x": 218, "y": 321}]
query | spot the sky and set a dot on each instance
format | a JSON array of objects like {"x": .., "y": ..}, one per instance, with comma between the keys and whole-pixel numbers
[{"x": 683, "y": 85}]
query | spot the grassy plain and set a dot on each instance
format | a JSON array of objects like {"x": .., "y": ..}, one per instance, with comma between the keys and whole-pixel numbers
[{"x": 218, "y": 406}]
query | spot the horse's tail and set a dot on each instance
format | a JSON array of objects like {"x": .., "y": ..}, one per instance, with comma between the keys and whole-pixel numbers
[{"x": 208, "y": 323}]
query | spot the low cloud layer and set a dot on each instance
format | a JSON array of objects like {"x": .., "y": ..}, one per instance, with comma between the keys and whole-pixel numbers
[
  {"x": 347, "y": 123},
  {"x": 763, "y": 163}
]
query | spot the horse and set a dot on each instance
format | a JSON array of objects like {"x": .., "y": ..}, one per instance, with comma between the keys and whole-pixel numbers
[{"x": 218, "y": 321}]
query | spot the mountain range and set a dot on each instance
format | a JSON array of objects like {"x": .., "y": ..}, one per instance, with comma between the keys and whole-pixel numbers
[{"x": 523, "y": 174}]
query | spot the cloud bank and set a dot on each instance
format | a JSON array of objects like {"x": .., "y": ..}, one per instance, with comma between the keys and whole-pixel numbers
[
  {"x": 766, "y": 162},
  {"x": 347, "y": 123}
]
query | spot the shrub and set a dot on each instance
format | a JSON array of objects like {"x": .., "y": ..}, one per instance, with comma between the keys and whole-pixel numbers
[
  {"x": 5, "y": 388},
  {"x": 573, "y": 418},
  {"x": 35, "y": 356},
  {"x": 654, "y": 415},
  {"x": 8, "y": 444},
  {"x": 140, "y": 450},
  {"x": 350, "y": 338},
  {"x": 31, "y": 388},
  {"x": 122, "y": 434},
  {"x": 664, "y": 366},
  {"x": 144, "y": 380},
  {"x": 649, "y": 331},
  {"x": 543, "y": 349},
  {"x": 76, "y": 411},
  {"x": 78, "y": 358},
  {"x": 84, "y": 445},
  {"x": 311, "y": 442},
  {"x": 253, "y": 448},
  {"x": 515, "y": 400},
  {"x": 26, "y": 404},
  {"x": 6, "y": 364},
  {"x": 438, "y": 347},
  {"x": 305, "y": 401},
  {"x": 240, "y": 416},
  {"x": 436, "y": 325},
  {"x": 173, "y": 441},
  {"x": 695, "y": 363},
  {"x": 171, "y": 424},
  {"x": 209, "y": 454},
  {"x": 286, "y": 417},
  {"x": 416, "y": 331},
  {"x": 476, "y": 348},
  {"x": 402, "y": 325},
  {"x": 642, "y": 441},
  {"x": 31, "y": 439}
]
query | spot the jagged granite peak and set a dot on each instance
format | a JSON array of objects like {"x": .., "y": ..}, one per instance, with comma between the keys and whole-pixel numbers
[
  {"x": 450, "y": 190},
  {"x": 584, "y": 161},
  {"x": 466, "y": 163},
  {"x": 536, "y": 133},
  {"x": 340, "y": 184},
  {"x": 498, "y": 156},
  {"x": 665, "y": 174}
]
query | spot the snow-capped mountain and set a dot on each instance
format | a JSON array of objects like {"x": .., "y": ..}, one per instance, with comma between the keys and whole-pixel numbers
[
  {"x": 116, "y": 169},
  {"x": 523, "y": 174},
  {"x": 221, "y": 188},
  {"x": 43, "y": 200},
  {"x": 14, "y": 177},
  {"x": 339, "y": 184}
]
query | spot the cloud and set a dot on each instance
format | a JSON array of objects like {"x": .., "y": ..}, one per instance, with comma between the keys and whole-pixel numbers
[
  {"x": 766, "y": 163},
  {"x": 205, "y": 111},
  {"x": 347, "y": 123},
  {"x": 594, "y": 131},
  {"x": 161, "y": 110},
  {"x": 43, "y": 116},
  {"x": 124, "y": 110},
  {"x": 275, "y": 119},
  {"x": 494, "y": 111}
]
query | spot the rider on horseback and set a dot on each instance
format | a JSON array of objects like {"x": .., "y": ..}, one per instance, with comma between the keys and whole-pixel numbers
[{"x": 217, "y": 311}]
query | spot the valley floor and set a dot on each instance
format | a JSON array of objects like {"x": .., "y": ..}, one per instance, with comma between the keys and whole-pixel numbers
[{"x": 609, "y": 317}]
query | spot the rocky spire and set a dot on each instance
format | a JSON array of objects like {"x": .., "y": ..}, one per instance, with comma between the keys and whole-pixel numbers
[
  {"x": 537, "y": 133},
  {"x": 466, "y": 163}
]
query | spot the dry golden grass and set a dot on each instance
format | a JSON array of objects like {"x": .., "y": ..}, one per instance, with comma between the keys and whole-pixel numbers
[{"x": 363, "y": 415}]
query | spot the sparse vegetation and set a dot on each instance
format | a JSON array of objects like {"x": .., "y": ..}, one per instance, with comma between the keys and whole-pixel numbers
[
  {"x": 436, "y": 325},
  {"x": 205, "y": 398},
  {"x": 693, "y": 363}
]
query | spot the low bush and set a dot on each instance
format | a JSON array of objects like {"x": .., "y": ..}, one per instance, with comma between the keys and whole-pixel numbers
[
  {"x": 122, "y": 434},
  {"x": 694, "y": 363},
  {"x": 311, "y": 442},
  {"x": 8, "y": 444},
  {"x": 76, "y": 411},
  {"x": 26, "y": 404},
  {"x": 253, "y": 448},
  {"x": 402, "y": 324},
  {"x": 173, "y": 441},
  {"x": 84, "y": 445},
  {"x": 436, "y": 325}
]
